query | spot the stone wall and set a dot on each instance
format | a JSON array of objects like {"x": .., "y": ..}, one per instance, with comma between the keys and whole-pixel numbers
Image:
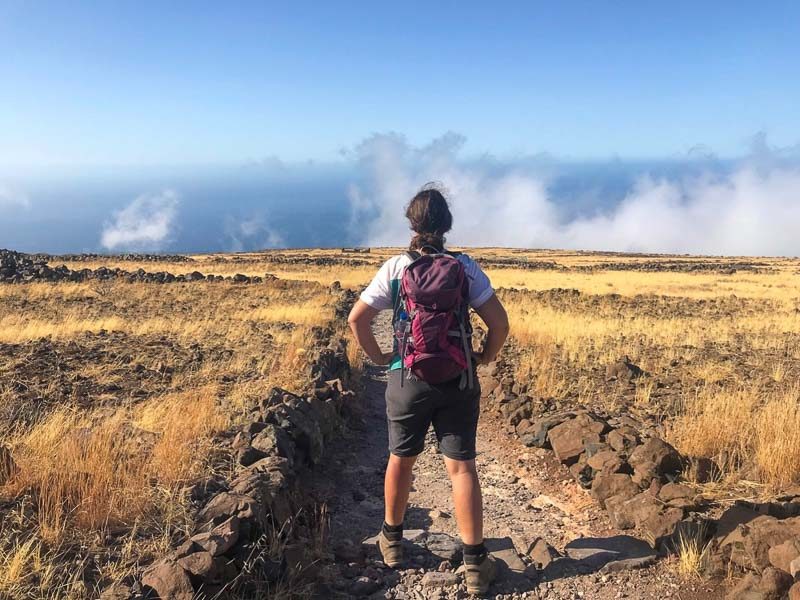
[
  {"x": 16, "y": 267},
  {"x": 636, "y": 476},
  {"x": 235, "y": 517}
]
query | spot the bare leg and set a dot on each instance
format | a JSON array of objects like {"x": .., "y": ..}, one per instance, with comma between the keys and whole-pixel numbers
[
  {"x": 397, "y": 486},
  {"x": 467, "y": 499}
]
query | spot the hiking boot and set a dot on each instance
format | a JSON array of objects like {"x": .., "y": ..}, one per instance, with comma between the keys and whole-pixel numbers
[
  {"x": 480, "y": 576},
  {"x": 392, "y": 552}
]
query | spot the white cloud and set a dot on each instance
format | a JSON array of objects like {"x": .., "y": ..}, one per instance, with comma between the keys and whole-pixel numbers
[
  {"x": 10, "y": 197},
  {"x": 145, "y": 224},
  {"x": 252, "y": 233},
  {"x": 752, "y": 210}
]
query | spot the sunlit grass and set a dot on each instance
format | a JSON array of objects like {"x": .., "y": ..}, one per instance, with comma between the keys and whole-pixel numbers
[{"x": 93, "y": 471}]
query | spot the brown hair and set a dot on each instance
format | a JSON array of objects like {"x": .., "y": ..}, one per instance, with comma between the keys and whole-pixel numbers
[{"x": 430, "y": 218}]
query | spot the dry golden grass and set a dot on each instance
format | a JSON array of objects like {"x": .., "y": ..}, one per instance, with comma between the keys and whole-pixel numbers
[
  {"x": 781, "y": 286},
  {"x": 226, "y": 310},
  {"x": 691, "y": 554},
  {"x": 120, "y": 460},
  {"x": 734, "y": 358},
  {"x": 744, "y": 427},
  {"x": 718, "y": 424},
  {"x": 98, "y": 471},
  {"x": 777, "y": 439},
  {"x": 119, "y": 457}
]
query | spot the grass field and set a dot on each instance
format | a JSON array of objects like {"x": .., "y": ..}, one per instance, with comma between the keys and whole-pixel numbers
[
  {"x": 111, "y": 396},
  {"x": 111, "y": 393}
]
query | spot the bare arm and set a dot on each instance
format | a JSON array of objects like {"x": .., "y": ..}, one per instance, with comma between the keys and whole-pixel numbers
[
  {"x": 494, "y": 315},
  {"x": 360, "y": 321}
]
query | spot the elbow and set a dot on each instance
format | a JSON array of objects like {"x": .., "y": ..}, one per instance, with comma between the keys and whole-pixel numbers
[
  {"x": 352, "y": 322},
  {"x": 499, "y": 331}
]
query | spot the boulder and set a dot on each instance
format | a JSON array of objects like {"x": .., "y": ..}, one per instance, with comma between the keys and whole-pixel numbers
[
  {"x": 168, "y": 579},
  {"x": 794, "y": 592},
  {"x": 734, "y": 516},
  {"x": 748, "y": 588},
  {"x": 542, "y": 553},
  {"x": 220, "y": 539},
  {"x": 654, "y": 458},
  {"x": 443, "y": 546},
  {"x": 782, "y": 555},
  {"x": 303, "y": 428},
  {"x": 622, "y": 439},
  {"x": 607, "y": 460},
  {"x": 660, "y": 527},
  {"x": 211, "y": 569},
  {"x": 775, "y": 583},
  {"x": 748, "y": 545},
  {"x": 623, "y": 370},
  {"x": 248, "y": 455},
  {"x": 225, "y": 505},
  {"x": 607, "y": 485},
  {"x": 627, "y": 513},
  {"x": 534, "y": 433},
  {"x": 569, "y": 439},
  {"x": 794, "y": 568},
  {"x": 273, "y": 441}
]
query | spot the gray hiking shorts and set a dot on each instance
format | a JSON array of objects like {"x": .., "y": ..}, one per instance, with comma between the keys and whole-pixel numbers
[{"x": 414, "y": 406}]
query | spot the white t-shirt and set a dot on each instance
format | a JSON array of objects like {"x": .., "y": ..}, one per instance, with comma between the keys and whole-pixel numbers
[{"x": 382, "y": 292}]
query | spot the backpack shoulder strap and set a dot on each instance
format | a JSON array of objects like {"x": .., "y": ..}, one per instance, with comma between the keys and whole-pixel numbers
[{"x": 412, "y": 254}]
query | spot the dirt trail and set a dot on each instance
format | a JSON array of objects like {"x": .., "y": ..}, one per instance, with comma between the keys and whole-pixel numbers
[{"x": 527, "y": 495}]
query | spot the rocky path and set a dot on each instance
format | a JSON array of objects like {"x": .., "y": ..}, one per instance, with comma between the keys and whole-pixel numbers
[{"x": 551, "y": 538}]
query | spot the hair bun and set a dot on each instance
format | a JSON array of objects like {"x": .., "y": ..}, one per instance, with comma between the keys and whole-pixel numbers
[{"x": 429, "y": 216}]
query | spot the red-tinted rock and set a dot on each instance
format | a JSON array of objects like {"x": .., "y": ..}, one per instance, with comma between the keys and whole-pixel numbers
[
  {"x": 782, "y": 555},
  {"x": 169, "y": 581},
  {"x": 569, "y": 439},
  {"x": 220, "y": 539},
  {"x": 606, "y": 485},
  {"x": 656, "y": 454}
]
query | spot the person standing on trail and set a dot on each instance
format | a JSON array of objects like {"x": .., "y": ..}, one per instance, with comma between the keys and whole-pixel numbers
[{"x": 432, "y": 377}]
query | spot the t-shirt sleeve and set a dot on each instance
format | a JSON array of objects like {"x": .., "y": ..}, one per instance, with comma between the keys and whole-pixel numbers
[
  {"x": 378, "y": 294},
  {"x": 480, "y": 288}
]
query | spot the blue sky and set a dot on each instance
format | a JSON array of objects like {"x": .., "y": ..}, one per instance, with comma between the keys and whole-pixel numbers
[{"x": 166, "y": 83}]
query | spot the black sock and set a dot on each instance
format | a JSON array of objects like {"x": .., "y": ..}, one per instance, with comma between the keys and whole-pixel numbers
[
  {"x": 474, "y": 553},
  {"x": 393, "y": 533}
]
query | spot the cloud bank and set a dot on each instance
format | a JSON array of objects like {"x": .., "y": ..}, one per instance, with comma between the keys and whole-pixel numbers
[
  {"x": 146, "y": 224},
  {"x": 751, "y": 209},
  {"x": 251, "y": 233}
]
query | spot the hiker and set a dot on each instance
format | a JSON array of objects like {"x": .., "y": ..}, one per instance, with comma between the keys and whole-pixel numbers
[{"x": 431, "y": 378}]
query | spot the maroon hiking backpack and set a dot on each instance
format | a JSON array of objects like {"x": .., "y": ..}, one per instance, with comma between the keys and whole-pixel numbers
[{"x": 432, "y": 319}]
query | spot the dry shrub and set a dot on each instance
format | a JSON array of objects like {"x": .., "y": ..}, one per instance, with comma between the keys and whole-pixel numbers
[
  {"x": 93, "y": 472},
  {"x": 744, "y": 427},
  {"x": 355, "y": 356},
  {"x": 185, "y": 421},
  {"x": 717, "y": 424},
  {"x": 19, "y": 564},
  {"x": 778, "y": 440},
  {"x": 312, "y": 312},
  {"x": 289, "y": 367},
  {"x": 692, "y": 553}
]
